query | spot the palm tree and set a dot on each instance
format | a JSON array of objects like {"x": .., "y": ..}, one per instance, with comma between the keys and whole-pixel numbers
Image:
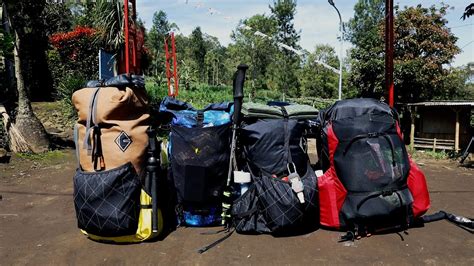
[
  {"x": 109, "y": 22},
  {"x": 469, "y": 11},
  {"x": 24, "y": 16}
]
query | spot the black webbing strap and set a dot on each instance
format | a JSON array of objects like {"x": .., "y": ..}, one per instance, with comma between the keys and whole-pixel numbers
[
  {"x": 200, "y": 118},
  {"x": 288, "y": 158},
  {"x": 386, "y": 191}
]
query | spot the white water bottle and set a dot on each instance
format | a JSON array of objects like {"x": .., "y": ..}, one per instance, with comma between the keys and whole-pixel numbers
[{"x": 243, "y": 179}]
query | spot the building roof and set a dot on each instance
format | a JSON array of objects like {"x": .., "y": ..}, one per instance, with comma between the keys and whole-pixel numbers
[{"x": 443, "y": 103}]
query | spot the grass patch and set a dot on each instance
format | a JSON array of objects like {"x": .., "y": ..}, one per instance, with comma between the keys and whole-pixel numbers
[
  {"x": 43, "y": 157},
  {"x": 423, "y": 154}
]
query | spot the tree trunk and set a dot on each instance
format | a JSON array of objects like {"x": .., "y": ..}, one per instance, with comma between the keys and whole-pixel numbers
[{"x": 26, "y": 122}]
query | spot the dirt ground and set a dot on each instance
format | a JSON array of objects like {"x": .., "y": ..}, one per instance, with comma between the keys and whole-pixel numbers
[{"x": 38, "y": 227}]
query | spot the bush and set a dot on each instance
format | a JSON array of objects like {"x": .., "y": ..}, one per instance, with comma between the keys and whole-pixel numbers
[
  {"x": 199, "y": 96},
  {"x": 155, "y": 91},
  {"x": 66, "y": 87},
  {"x": 73, "y": 52}
]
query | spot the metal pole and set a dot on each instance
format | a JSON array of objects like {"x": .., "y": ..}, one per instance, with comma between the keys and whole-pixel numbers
[
  {"x": 340, "y": 60},
  {"x": 127, "y": 51},
  {"x": 331, "y": 2},
  {"x": 389, "y": 85}
]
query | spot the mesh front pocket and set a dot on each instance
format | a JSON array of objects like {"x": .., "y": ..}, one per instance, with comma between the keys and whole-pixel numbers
[
  {"x": 371, "y": 163},
  {"x": 199, "y": 160},
  {"x": 107, "y": 203}
]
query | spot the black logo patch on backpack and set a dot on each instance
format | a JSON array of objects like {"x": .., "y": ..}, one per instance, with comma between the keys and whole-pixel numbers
[{"x": 123, "y": 141}]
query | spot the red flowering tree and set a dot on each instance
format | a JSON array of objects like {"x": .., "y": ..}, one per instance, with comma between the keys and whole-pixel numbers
[{"x": 77, "y": 51}]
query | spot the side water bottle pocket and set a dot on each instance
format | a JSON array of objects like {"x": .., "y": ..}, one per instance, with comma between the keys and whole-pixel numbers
[{"x": 107, "y": 202}]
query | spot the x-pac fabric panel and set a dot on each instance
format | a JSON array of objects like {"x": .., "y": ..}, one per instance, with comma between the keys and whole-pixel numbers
[{"x": 107, "y": 202}]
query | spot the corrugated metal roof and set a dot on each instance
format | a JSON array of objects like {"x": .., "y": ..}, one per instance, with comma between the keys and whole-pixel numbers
[{"x": 443, "y": 103}]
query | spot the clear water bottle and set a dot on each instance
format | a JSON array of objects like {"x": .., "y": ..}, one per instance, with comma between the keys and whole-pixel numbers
[{"x": 242, "y": 179}]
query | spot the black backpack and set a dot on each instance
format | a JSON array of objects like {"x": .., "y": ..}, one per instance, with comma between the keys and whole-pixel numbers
[
  {"x": 199, "y": 154},
  {"x": 272, "y": 150},
  {"x": 370, "y": 183}
]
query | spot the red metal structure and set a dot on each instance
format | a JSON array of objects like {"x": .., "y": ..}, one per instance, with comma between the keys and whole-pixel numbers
[
  {"x": 389, "y": 39},
  {"x": 171, "y": 73},
  {"x": 131, "y": 57}
]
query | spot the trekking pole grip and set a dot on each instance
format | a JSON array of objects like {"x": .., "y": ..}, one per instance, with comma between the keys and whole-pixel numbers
[
  {"x": 152, "y": 168},
  {"x": 238, "y": 87}
]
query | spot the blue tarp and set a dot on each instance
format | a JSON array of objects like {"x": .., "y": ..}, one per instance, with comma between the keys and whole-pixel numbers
[{"x": 185, "y": 115}]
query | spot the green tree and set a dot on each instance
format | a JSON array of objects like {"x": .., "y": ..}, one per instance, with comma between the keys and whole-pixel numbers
[
  {"x": 367, "y": 56},
  {"x": 286, "y": 62},
  {"x": 198, "y": 52},
  {"x": 315, "y": 79},
  {"x": 57, "y": 17},
  {"x": 256, "y": 51},
  {"x": 83, "y": 13},
  {"x": 6, "y": 72},
  {"x": 455, "y": 86},
  {"x": 155, "y": 42},
  {"x": 424, "y": 46},
  {"x": 214, "y": 61}
]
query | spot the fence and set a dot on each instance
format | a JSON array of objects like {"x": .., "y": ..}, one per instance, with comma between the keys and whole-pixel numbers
[{"x": 434, "y": 144}]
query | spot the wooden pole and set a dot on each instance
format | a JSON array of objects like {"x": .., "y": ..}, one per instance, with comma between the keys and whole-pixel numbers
[{"x": 456, "y": 132}]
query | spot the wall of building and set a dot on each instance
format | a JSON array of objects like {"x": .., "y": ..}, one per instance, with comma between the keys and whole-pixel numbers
[{"x": 439, "y": 122}]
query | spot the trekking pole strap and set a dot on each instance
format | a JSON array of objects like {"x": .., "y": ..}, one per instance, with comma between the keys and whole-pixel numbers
[{"x": 215, "y": 243}]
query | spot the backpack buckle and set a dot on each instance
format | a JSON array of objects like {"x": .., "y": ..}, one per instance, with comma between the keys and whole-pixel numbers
[
  {"x": 289, "y": 168},
  {"x": 200, "y": 118}
]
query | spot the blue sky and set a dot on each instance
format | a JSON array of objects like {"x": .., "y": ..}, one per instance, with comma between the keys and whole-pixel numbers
[{"x": 317, "y": 20}]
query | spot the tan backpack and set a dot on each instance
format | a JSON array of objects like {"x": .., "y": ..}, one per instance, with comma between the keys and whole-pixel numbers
[
  {"x": 111, "y": 128},
  {"x": 114, "y": 195}
]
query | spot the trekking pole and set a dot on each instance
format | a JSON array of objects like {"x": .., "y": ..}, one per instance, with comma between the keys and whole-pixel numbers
[
  {"x": 152, "y": 167},
  {"x": 238, "y": 87}
]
